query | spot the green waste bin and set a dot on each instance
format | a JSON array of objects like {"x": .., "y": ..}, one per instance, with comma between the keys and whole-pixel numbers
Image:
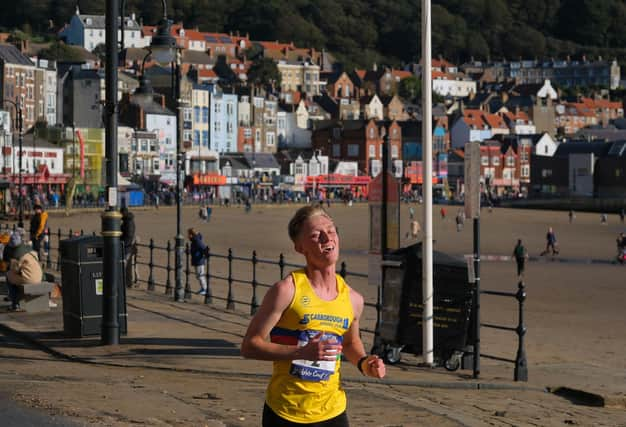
[{"x": 82, "y": 279}]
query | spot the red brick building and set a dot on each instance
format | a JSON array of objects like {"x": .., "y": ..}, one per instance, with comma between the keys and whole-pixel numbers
[{"x": 358, "y": 141}]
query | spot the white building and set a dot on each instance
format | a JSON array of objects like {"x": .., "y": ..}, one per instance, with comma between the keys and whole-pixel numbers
[
  {"x": 457, "y": 85},
  {"x": 163, "y": 122},
  {"x": 223, "y": 122},
  {"x": 88, "y": 31},
  {"x": 6, "y": 138}
]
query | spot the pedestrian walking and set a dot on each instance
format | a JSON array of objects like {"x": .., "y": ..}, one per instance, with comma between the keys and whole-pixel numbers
[
  {"x": 442, "y": 211},
  {"x": 38, "y": 224},
  {"x": 305, "y": 324},
  {"x": 520, "y": 255},
  {"x": 551, "y": 244},
  {"x": 198, "y": 251},
  {"x": 571, "y": 216},
  {"x": 622, "y": 214},
  {"x": 460, "y": 220},
  {"x": 411, "y": 212},
  {"x": 604, "y": 219},
  {"x": 415, "y": 228},
  {"x": 128, "y": 238}
]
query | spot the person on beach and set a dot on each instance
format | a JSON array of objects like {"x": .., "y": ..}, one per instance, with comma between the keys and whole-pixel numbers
[
  {"x": 305, "y": 323},
  {"x": 551, "y": 244},
  {"x": 520, "y": 255},
  {"x": 198, "y": 251}
]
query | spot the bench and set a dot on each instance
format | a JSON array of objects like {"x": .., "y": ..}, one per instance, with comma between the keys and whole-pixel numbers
[{"x": 35, "y": 297}]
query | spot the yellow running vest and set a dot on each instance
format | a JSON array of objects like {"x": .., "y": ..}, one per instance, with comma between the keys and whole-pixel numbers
[{"x": 305, "y": 391}]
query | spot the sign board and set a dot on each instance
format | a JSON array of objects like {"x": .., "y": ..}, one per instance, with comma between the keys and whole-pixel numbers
[
  {"x": 472, "y": 180},
  {"x": 375, "y": 199}
]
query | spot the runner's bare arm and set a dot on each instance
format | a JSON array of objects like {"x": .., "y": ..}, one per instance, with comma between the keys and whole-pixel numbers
[
  {"x": 256, "y": 343},
  {"x": 353, "y": 347}
]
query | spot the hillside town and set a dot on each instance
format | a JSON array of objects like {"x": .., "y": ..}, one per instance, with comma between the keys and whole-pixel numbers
[{"x": 268, "y": 120}]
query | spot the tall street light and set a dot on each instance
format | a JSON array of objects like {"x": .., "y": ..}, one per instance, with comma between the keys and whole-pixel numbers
[
  {"x": 165, "y": 50},
  {"x": 20, "y": 127},
  {"x": 111, "y": 217}
]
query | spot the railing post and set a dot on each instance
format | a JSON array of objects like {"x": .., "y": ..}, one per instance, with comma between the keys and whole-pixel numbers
[
  {"x": 254, "y": 305},
  {"x": 521, "y": 365},
  {"x": 70, "y": 234},
  {"x": 151, "y": 267},
  {"x": 342, "y": 270},
  {"x": 208, "y": 298},
  {"x": 59, "y": 249},
  {"x": 187, "y": 271},
  {"x": 230, "y": 301},
  {"x": 168, "y": 281},
  {"x": 49, "y": 248},
  {"x": 281, "y": 265}
]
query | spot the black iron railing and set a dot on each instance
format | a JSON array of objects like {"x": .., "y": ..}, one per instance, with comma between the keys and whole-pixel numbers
[{"x": 152, "y": 265}]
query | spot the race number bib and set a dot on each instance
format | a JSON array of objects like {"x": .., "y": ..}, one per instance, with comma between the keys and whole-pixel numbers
[{"x": 315, "y": 370}]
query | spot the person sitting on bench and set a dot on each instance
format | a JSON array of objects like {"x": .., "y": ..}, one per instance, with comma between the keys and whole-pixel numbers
[{"x": 24, "y": 267}]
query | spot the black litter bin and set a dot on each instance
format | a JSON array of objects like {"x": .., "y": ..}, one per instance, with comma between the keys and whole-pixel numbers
[
  {"x": 81, "y": 272},
  {"x": 400, "y": 327}
]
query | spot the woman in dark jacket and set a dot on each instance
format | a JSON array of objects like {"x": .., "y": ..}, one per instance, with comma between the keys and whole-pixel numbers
[{"x": 197, "y": 250}]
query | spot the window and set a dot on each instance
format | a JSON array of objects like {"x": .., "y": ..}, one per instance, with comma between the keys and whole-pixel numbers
[
  {"x": 196, "y": 111},
  {"x": 217, "y": 107},
  {"x": 394, "y": 151},
  {"x": 269, "y": 138},
  {"x": 510, "y": 161},
  {"x": 205, "y": 115},
  {"x": 353, "y": 150},
  {"x": 217, "y": 127},
  {"x": 153, "y": 146},
  {"x": 336, "y": 150},
  {"x": 144, "y": 145},
  {"x": 545, "y": 149},
  {"x": 257, "y": 136},
  {"x": 155, "y": 165},
  {"x": 187, "y": 115},
  {"x": 205, "y": 138},
  {"x": 371, "y": 133},
  {"x": 495, "y": 160},
  {"x": 196, "y": 137},
  {"x": 372, "y": 150},
  {"x": 247, "y": 133},
  {"x": 484, "y": 160},
  {"x": 525, "y": 171}
]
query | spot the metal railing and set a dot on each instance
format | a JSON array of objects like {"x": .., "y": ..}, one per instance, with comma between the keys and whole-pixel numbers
[
  {"x": 155, "y": 269},
  {"x": 521, "y": 365}
]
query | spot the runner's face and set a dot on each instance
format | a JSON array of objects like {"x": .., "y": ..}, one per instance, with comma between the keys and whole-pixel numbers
[{"x": 318, "y": 240}]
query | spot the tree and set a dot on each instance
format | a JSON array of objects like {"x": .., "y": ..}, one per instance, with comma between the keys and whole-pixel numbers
[
  {"x": 410, "y": 88},
  {"x": 264, "y": 73},
  {"x": 100, "y": 52},
  {"x": 60, "y": 51}
]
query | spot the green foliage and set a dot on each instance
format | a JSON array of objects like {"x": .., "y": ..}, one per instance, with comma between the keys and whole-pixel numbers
[
  {"x": 60, "y": 51},
  {"x": 410, "y": 88},
  {"x": 360, "y": 32},
  {"x": 264, "y": 73}
]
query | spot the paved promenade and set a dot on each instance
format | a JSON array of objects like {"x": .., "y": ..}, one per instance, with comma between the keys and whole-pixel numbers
[{"x": 180, "y": 365}]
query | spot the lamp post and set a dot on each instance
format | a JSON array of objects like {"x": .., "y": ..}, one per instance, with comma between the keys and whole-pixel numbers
[
  {"x": 111, "y": 218},
  {"x": 20, "y": 128}
]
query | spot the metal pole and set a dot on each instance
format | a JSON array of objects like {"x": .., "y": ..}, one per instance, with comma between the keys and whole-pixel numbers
[
  {"x": 111, "y": 218},
  {"x": 384, "y": 210},
  {"x": 427, "y": 158},
  {"x": 476, "y": 325},
  {"x": 179, "y": 292},
  {"x": 20, "y": 200}
]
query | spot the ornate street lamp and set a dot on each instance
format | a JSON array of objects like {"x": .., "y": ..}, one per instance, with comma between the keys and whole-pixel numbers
[
  {"x": 20, "y": 127},
  {"x": 165, "y": 50}
]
